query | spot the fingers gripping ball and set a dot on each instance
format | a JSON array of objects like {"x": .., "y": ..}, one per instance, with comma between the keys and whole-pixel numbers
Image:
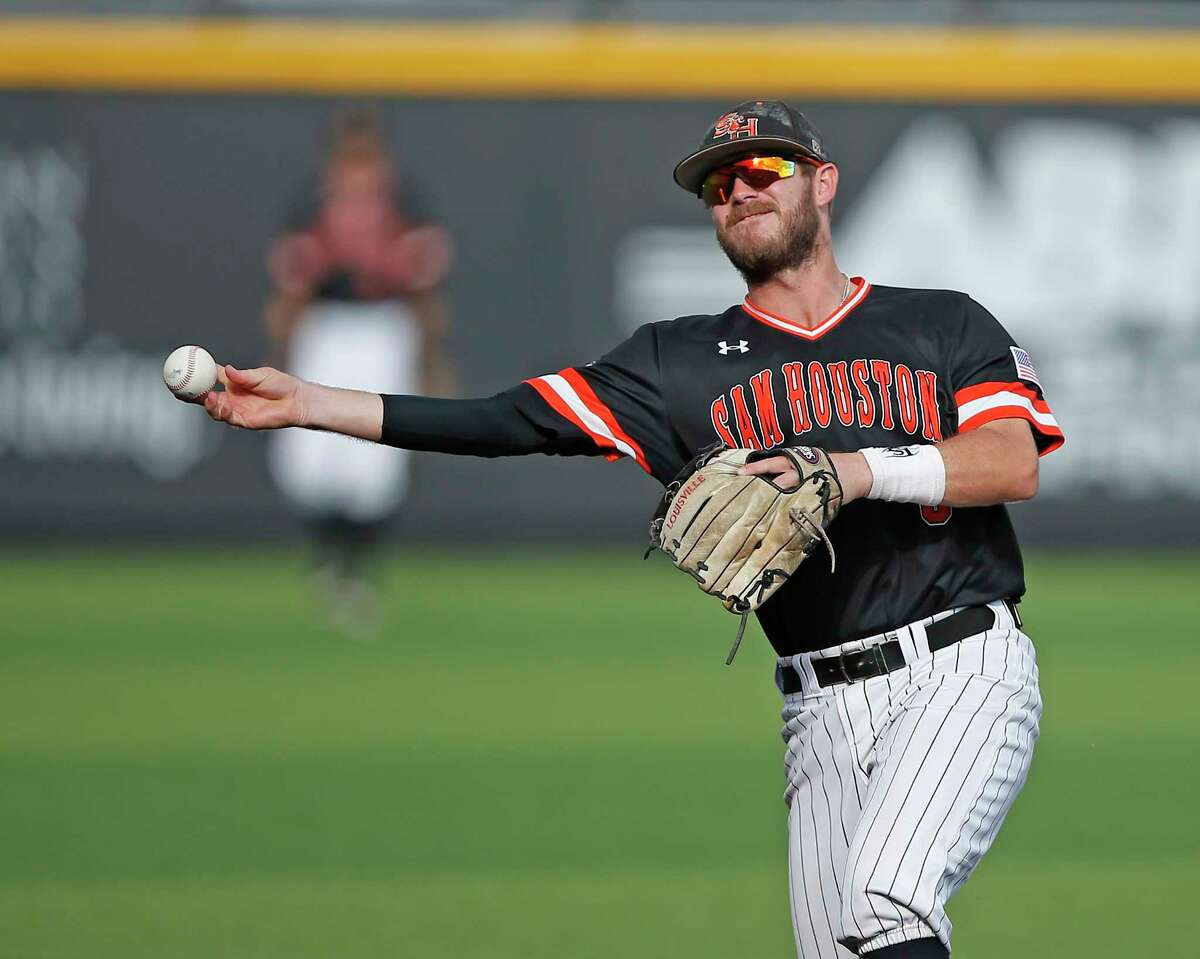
[
  {"x": 741, "y": 537},
  {"x": 190, "y": 372}
]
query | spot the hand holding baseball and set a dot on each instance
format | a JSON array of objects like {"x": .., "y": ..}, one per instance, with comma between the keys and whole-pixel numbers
[{"x": 258, "y": 399}]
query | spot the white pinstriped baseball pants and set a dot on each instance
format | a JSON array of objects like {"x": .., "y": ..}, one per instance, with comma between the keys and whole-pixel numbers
[{"x": 897, "y": 785}]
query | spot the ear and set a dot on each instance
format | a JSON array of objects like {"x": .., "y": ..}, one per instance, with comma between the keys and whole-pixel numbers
[{"x": 825, "y": 184}]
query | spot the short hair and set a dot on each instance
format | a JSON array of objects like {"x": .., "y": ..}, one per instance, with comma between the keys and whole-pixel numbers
[{"x": 356, "y": 136}]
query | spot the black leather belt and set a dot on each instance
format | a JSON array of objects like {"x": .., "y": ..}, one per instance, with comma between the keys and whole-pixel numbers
[{"x": 887, "y": 657}]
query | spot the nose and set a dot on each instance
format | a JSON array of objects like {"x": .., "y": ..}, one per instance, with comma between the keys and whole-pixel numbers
[{"x": 741, "y": 190}]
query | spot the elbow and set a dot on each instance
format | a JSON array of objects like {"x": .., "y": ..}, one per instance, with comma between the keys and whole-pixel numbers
[{"x": 1025, "y": 484}]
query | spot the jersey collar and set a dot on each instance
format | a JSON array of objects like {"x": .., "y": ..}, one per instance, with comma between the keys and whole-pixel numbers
[{"x": 827, "y": 324}]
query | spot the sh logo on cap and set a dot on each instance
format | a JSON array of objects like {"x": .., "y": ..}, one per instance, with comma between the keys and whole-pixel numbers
[{"x": 734, "y": 125}]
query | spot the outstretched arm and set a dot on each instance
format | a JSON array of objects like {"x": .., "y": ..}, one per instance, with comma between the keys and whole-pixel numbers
[
  {"x": 611, "y": 408},
  {"x": 265, "y": 399}
]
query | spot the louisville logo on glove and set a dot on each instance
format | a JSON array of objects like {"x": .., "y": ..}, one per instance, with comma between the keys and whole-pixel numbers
[{"x": 740, "y": 537}]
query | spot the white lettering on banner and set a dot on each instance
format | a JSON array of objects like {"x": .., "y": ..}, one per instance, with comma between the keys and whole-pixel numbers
[
  {"x": 1065, "y": 224},
  {"x": 100, "y": 403},
  {"x": 1081, "y": 236},
  {"x": 60, "y": 402},
  {"x": 42, "y": 256}
]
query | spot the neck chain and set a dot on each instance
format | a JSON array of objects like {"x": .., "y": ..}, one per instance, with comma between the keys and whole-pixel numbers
[{"x": 846, "y": 291}]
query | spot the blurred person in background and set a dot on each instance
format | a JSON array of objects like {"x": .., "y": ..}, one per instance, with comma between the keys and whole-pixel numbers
[{"x": 356, "y": 299}]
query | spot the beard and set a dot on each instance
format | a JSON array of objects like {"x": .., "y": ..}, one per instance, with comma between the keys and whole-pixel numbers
[{"x": 759, "y": 259}]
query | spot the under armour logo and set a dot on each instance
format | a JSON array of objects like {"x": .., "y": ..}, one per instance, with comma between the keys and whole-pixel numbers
[{"x": 741, "y": 346}]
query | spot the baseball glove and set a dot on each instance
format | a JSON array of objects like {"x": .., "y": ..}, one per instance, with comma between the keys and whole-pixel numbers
[{"x": 741, "y": 537}]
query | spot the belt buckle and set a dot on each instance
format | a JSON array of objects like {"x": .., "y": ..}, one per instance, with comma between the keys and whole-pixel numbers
[
  {"x": 862, "y": 658},
  {"x": 874, "y": 656}
]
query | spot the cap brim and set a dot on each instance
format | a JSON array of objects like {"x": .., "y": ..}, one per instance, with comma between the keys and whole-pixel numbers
[{"x": 691, "y": 171}]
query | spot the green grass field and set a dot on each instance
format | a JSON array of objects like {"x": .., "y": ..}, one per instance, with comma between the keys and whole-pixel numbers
[{"x": 544, "y": 756}]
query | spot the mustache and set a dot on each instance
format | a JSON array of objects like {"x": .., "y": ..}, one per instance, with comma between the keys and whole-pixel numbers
[{"x": 749, "y": 209}]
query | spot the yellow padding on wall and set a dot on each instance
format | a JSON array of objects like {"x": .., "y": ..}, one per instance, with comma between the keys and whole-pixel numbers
[{"x": 502, "y": 59}]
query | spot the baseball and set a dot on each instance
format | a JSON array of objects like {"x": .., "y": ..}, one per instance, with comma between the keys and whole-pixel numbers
[{"x": 190, "y": 372}]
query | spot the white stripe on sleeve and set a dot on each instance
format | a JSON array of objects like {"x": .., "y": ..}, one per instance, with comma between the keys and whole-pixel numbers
[
  {"x": 1005, "y": 398},
  {"x": 589, "y": 420}
]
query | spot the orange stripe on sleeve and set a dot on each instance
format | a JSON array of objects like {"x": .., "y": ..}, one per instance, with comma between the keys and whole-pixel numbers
[
  {"x": 988, "y": 402},
  {"x": 556, "y": 403},
  {"x": 593, "y": 403},
  {"x": 1053, "y": 434}
]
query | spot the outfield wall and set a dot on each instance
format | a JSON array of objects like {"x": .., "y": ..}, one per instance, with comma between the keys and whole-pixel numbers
[{"x": 144, "y": 167}]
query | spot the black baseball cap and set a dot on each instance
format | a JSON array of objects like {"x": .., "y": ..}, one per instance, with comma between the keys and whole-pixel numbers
[{"x": 756, "y": 126}]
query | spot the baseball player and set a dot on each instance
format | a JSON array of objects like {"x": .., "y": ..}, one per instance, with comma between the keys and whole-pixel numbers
[{"x": 911, "y": 699}]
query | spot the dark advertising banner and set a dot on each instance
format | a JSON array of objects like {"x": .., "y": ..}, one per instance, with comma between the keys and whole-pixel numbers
[{"x": 132, "y": 224}]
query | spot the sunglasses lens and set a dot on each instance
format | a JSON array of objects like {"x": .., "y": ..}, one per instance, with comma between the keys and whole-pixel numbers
[
  {"x": 756, "y": 172},
  {"x": 717, "y": 187}
]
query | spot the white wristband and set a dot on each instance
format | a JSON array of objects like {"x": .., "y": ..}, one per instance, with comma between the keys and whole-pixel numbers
[{"x": 907, "y": 474}]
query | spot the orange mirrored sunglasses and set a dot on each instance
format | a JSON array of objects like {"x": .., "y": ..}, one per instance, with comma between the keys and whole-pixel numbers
[{"x": 756, "y": 172}]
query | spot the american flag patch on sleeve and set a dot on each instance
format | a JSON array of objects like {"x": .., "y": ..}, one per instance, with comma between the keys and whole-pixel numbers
[{"x": 1025, "y": 370}]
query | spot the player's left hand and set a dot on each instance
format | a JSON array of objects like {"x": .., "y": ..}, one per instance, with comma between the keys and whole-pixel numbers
[{"x": 852, "y": 470}]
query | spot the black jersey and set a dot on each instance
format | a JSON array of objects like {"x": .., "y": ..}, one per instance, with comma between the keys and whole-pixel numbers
[{"x": 890, "y": 367}]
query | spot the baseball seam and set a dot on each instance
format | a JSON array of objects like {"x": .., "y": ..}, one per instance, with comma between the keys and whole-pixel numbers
[{"x": 187, "y": 377}]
